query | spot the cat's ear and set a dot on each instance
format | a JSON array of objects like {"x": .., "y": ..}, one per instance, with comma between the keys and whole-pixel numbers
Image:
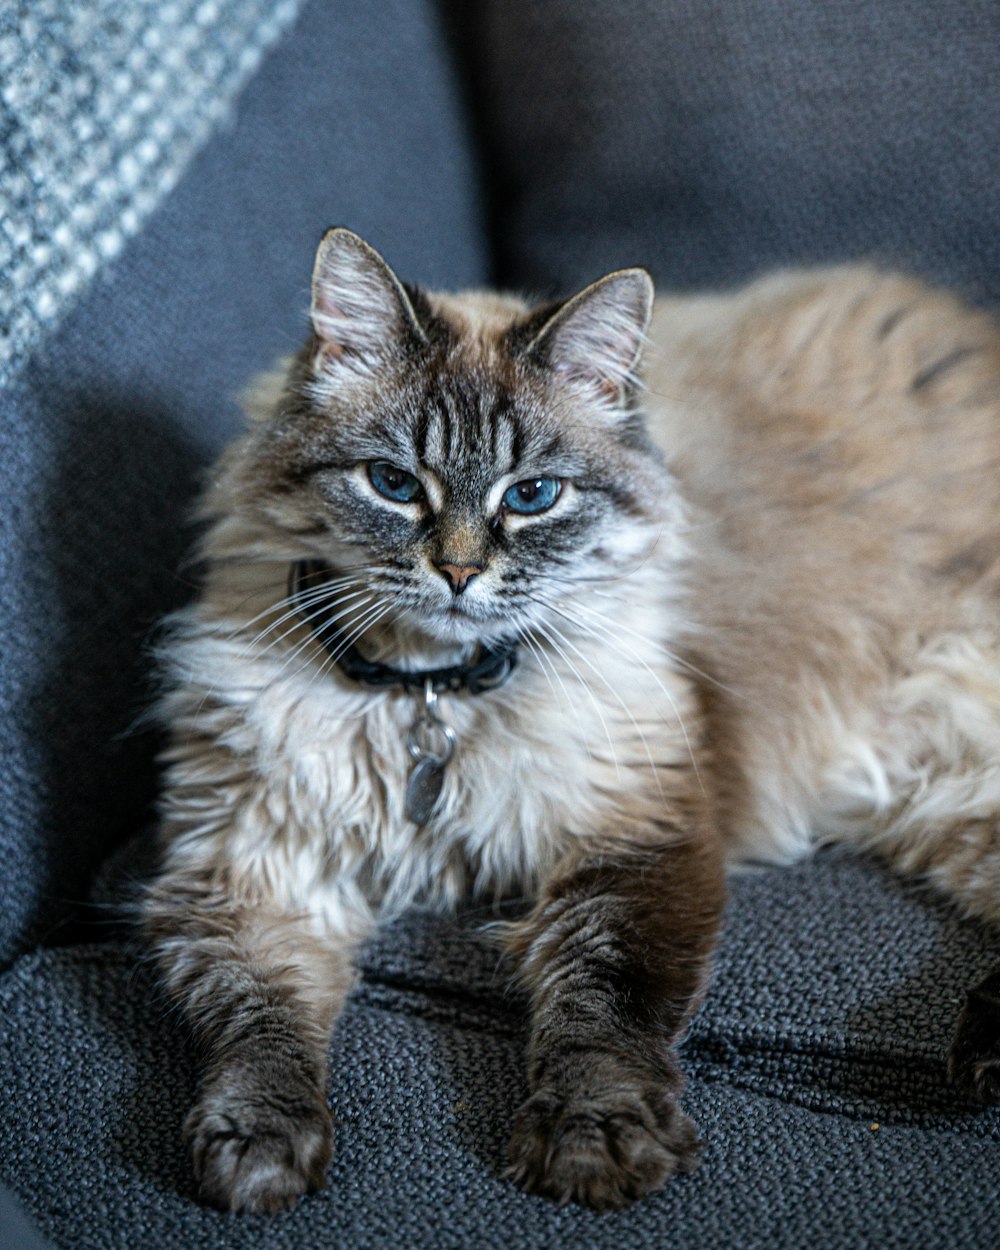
[
  {"x": 595, "y": 339},
  {"x": 361, "y": 315}
]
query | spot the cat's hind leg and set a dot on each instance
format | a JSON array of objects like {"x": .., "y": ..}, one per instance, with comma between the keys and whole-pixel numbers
[
  {"x": 961, "y": 859},
  {"x": 260, "y": 990},
  {"x": 974, "y": 1057},
  {"x": 940, "y": 822}
]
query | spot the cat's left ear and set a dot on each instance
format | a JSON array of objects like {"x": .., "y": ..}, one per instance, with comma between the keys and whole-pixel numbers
[{"x": 595, "y": 339}]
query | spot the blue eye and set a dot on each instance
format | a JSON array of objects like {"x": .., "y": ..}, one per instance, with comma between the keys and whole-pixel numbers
[
  {"x": 394, "y": 483},
  {"x": 537, "y": 494}
]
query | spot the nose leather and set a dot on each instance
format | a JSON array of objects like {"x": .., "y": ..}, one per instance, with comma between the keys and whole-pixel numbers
[{"x": 459, "y": 575}]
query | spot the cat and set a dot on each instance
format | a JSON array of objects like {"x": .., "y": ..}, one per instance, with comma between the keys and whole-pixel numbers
[{"x": 582, "y": 602}]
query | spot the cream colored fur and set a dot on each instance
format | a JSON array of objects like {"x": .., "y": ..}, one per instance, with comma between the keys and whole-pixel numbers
[
  {"x": 837, "y": 435},
  {"x": 829, "y": 582},
  {"x": 784, "y": 633}
]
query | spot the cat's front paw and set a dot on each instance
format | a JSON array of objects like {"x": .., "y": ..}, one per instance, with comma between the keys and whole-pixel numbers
[
  {"x": 256, "y": 1148},
  {"x": 974, "y": 1058},
  {"x": 601, "y": 1149}
]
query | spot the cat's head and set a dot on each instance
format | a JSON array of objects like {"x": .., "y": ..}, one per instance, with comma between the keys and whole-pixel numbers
[{"x": 467, "y": 458}]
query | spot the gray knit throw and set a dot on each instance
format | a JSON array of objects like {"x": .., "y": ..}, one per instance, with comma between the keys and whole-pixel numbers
[{"x": 102, "y": 105}]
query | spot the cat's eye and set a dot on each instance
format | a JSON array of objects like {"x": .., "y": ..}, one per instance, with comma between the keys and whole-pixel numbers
[
  {"x": 394, "y": 483},
  {"x": 536, "y": 494}
]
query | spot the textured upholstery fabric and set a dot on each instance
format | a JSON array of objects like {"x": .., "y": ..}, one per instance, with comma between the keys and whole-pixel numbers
[
  {"x": 354, "y": 119},
  {"x": 713, "y": 139},
  {"x": 836, "y": 990}
]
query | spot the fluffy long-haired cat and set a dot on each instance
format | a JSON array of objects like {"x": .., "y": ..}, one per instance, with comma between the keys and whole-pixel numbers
[{"x": 484, "y": 614}]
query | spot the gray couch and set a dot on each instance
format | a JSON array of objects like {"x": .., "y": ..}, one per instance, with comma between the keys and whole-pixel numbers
[{"x": 167, "y": 171}]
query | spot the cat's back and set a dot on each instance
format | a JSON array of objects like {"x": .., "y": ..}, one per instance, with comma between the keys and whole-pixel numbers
[
  {"x": 838, "y": 435},
  {"x": 820, "y": 380},
  {"x": 848, "y": 418}
]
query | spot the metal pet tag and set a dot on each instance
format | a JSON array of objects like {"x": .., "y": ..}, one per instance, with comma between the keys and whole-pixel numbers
[
  {"x": 431, "y": 744},
  {"x": 423, "y": 789}
]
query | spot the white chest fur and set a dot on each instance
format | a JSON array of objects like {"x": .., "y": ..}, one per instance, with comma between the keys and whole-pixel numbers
[{"x": 313, "y": 814}]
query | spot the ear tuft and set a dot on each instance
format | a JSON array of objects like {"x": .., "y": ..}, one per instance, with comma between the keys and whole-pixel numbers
[
  {"x": 361, "y": 315},
  {"x": 595, "y": 339}
]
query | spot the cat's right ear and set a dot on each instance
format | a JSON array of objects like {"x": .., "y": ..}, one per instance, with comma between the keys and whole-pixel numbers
[
  {"x": 594, "y": 340},
  {"x": 361, "y": 315}
]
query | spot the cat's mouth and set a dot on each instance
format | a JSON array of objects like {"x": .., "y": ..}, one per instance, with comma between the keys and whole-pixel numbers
[{"x": 466, "y": 624}]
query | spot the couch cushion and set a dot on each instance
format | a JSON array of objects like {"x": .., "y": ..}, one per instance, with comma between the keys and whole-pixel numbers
[
  {"x": 711, "y": 140},
  {"x": 834, "y": 997},
  {"x": 837, "y": 985},
  {"x": 353, "y": 118}
]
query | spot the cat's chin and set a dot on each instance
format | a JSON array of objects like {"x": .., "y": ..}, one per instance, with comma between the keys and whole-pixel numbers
[
  {"x": 460, "y": 627},
  {"x": 457, "y": 626}
]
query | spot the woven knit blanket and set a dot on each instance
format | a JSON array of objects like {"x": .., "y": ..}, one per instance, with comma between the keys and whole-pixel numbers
[{"x": 102, "y": 105}]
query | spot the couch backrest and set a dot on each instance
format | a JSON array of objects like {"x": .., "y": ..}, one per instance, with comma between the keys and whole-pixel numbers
[{"x": 714, "y": 139}]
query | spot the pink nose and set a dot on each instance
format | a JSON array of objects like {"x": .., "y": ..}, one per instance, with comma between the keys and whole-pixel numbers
[{"x": 459, "y": 575}]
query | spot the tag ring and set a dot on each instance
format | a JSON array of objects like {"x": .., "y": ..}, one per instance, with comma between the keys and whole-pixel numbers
[{"x": 430, "y": 725}]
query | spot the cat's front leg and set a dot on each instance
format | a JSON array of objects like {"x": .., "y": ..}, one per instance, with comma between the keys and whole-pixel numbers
[
  {"x": 261, "y": 990},
  {"x": 616, "y": 956}
]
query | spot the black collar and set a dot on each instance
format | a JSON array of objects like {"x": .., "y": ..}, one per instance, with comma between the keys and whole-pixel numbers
[{"x": 490, "y": 669}]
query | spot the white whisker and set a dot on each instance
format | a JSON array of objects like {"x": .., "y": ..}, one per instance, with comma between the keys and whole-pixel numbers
[
  {"x": 298, "y": 598},
  {"x": 615, "y": 626},
  {"x": 544, "y": 630},
  {"x": 331, "y": 658},
  {"x": 332, "y": 599},
  {"x": 546, "y": 666},
  {"x": 368, "y": 612},
  {"x": 617, "y": 696},
  {"x": 609, "y": 634},
  {"x": 622, "y": 575},
  {"x": 304, "y": 622}
]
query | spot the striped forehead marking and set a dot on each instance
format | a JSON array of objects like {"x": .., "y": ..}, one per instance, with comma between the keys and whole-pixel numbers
[{"x": 470, "y": 426}]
